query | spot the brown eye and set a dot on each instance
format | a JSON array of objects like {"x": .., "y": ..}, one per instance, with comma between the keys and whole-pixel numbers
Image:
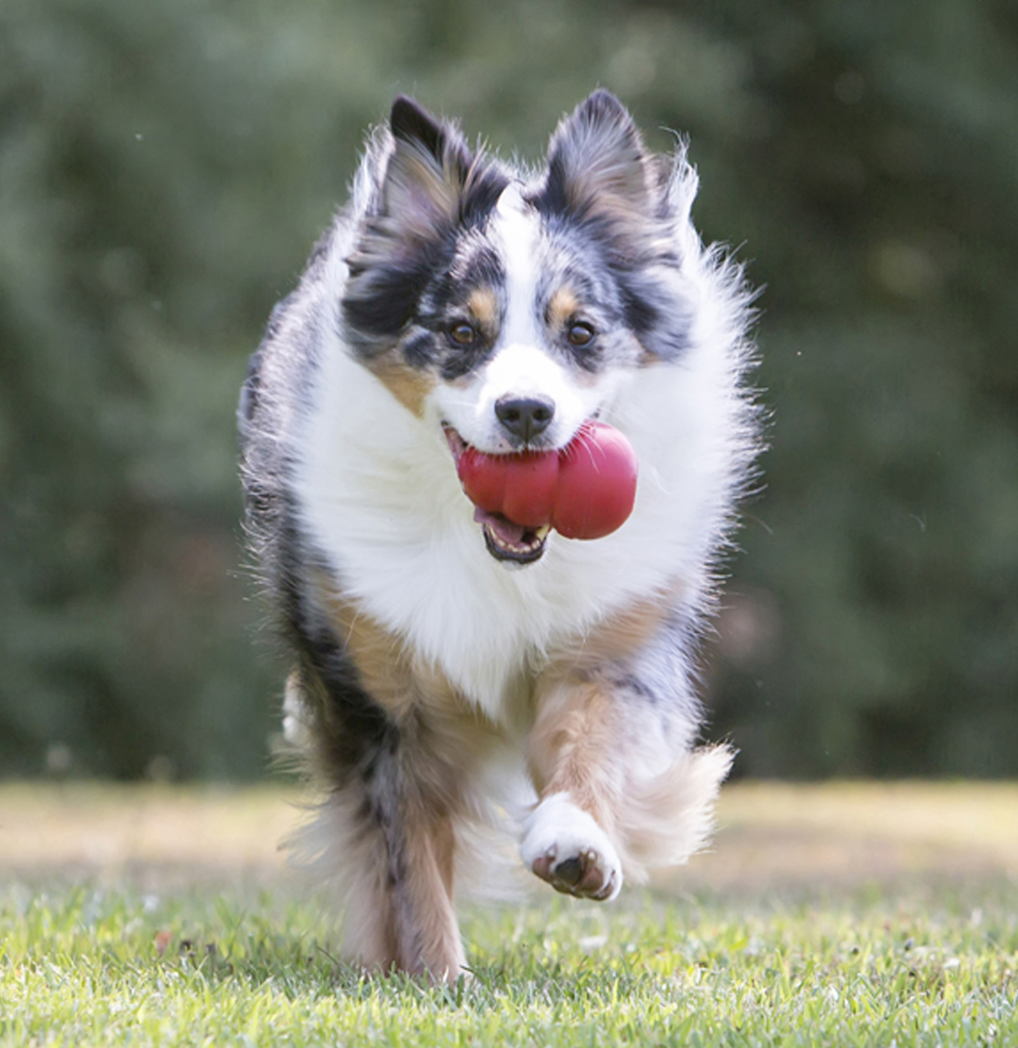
[
  {"x": 580, "y": 334},
  {"x": 463, "y": 334}
]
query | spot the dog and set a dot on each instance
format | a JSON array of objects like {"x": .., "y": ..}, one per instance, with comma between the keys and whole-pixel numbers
[{"x": 454, "y": 670}]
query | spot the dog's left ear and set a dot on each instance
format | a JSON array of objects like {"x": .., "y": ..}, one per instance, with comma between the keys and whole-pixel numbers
[
  {"x": 426, "y": 180},
  {"x": 597, "y": 161},
  {"x": 411, "y": 123},
  {"x": 428, "y": 170}
]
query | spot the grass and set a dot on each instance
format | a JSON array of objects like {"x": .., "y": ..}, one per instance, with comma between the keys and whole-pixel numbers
[{"x": 159, "y": 944}]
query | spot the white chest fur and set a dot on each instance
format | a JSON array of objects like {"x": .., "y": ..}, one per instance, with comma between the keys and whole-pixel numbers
[{"x": 379, "y": 496}]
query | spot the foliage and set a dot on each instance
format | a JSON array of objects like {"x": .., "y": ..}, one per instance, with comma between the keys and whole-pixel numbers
[{"x": 164, "y": 168}]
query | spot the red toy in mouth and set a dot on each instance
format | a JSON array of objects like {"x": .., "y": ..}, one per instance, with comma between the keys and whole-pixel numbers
[{"x": 584, "y": 491}]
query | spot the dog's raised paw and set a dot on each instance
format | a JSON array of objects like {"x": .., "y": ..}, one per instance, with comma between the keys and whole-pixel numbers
[
  {"x": 563, "y": 845},
  {"x": 586, "y": 875}
]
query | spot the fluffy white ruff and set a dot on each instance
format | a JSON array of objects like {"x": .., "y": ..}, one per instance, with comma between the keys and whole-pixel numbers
[{"x": 378, "y": 492}]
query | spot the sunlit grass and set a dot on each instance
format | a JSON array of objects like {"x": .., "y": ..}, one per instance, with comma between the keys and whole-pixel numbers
[{"x": 920, "y": 961}]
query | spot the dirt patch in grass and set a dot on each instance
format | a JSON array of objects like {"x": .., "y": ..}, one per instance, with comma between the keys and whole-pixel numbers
[{"x": 770, "y": 835}]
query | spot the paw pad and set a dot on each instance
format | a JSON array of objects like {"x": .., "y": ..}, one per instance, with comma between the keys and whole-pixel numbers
[{"x": 566, "y": 848}]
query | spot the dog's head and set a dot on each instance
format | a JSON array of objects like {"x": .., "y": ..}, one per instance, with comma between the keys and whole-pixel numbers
[{"x": 510, "y": 309}]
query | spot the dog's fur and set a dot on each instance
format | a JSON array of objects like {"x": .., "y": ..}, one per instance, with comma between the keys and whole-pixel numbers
[{"x": 430, "y": 681}]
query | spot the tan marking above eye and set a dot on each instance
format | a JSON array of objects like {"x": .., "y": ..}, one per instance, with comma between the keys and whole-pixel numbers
[
  {"x": 562, "y": 307},
  {"x": 483, "y": 306}
]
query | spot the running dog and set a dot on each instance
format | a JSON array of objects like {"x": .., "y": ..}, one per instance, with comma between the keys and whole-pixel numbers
[{"x": 456, "y": 668}]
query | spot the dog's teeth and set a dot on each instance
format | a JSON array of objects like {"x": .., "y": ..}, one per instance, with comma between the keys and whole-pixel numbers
[{"x": 542, "y": 532}]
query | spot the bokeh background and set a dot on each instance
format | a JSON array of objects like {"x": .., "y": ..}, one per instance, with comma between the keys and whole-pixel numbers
[{"x": 165, "y": 166}]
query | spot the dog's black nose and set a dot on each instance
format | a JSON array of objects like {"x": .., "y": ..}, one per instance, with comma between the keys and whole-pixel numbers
[{"x": 525, "y": 417}]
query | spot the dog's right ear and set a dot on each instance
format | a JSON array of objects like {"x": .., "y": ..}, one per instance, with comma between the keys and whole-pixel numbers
[
  {"x": 597, "y": 162},
  {"x": 427, "y": 170}
]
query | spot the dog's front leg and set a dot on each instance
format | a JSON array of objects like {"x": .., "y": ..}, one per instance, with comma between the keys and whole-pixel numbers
[
  {"x": 577, "y": 765},
  {"x": 419, "y": 892},
  {"x": 621, "y": 786},
  {"x": 397, "y": 868},
  {"x": 385, "y": 834}
]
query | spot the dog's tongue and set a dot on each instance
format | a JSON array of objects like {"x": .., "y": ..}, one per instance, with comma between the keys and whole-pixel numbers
[
  {"x": 511, "y": 534},
  {"x": 585, "y": 491}
]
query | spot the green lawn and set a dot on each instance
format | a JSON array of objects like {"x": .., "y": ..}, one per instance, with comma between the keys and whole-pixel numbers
[{"x": 875, "y": 916}]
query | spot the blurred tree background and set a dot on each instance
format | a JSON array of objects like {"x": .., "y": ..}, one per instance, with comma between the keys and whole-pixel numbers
[{"x": 165, "y": 167}]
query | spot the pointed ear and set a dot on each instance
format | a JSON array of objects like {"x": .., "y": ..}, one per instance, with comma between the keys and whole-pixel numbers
[
  {"x": 427, "y": 171},
  {"x": 409, "y": 121},
  {"x": 597, "y": 161},
  {"x": 420, "y": 181}
]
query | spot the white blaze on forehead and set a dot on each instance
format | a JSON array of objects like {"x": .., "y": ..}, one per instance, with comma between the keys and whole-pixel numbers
[
  {"x": 523, "y": 363},
  {"x": 516, "y": 229}
]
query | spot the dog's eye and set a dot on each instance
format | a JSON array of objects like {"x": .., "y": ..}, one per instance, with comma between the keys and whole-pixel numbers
[
  {"x": 463, "y": 334},
  {"x": 580, "y": 334}
]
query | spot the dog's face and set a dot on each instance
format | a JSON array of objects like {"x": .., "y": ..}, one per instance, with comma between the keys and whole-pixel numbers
[{"x": 509, "y": 311}]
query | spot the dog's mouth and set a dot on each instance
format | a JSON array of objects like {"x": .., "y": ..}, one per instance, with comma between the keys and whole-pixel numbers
[
  {"x": 506, "y": 541},
  {"x": 511, "y": 542}
]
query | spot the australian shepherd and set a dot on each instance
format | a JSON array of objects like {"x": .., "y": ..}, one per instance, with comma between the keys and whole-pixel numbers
[{"x": 454, "y": 668}]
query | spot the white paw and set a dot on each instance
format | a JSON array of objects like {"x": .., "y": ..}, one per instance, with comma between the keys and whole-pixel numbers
[{"x": 564, "y": 846}]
